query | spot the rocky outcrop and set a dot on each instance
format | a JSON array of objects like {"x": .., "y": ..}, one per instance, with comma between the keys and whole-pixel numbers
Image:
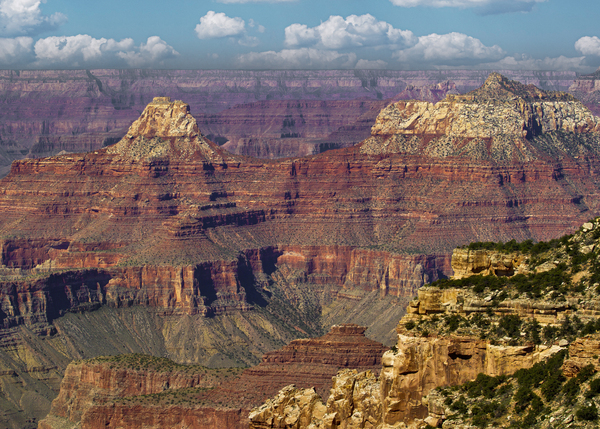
[
  {"x": 90, "y": 388},
  {"x": 311, "y": 363},
  {"x": 467, "y": 262},
  {"x": 474, "y": 332},
  {"x": 120, "y": 391},
  {"x": 582, "y": 352}
]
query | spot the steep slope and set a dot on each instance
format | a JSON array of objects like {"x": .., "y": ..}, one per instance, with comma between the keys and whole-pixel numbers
[
  {"x": 209, "y": 245},
  {"x": 475, "y": 331}
]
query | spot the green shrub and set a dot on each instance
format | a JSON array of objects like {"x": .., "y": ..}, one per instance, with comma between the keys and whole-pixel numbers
[
  {"x": 510, "y": 325},
  {"x": 594, "y": 388},
  {"x": 587, "y": 412}
]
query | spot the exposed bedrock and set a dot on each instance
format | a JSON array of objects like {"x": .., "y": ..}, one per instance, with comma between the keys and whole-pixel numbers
[
  {"x": 108, "y": 392},
  {"x": 45, "y": 112}
]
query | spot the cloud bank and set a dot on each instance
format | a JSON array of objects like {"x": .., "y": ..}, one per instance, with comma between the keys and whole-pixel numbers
[{"x": 341, "y": 42}]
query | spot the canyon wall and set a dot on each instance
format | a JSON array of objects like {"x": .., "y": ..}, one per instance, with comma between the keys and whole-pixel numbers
[
  {"x": 49, "y": 111},
  {"x": 136, "y": 391}
]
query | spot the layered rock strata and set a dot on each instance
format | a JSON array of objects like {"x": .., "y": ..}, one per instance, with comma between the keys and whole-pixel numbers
[
  {"x": 47, "y": 111},
  {"x": 450, "y": 335},
  {"x": 468, "y": 125},
  {"x": 168, "y": 221},
  {"x": 90, "y": 388},
  {"x": 111, "y": 392}
]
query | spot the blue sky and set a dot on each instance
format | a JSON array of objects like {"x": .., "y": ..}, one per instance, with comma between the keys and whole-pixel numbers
[{"x": 301, "y": 34}]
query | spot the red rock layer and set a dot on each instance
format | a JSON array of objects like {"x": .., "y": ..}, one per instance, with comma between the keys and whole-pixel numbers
[
  {"x": 88, "y": 392},
  {"x": 312, "y": 362},
  {"x": 206, "y": 288}
]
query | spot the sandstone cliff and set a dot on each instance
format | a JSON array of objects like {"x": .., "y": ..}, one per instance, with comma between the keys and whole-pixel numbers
[{"x": 477, "y": 330}]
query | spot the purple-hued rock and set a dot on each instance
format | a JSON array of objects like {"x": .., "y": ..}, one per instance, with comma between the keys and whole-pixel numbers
[{"x": 44, "y": 112}]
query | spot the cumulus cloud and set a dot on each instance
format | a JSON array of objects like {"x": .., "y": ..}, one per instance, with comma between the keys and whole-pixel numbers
[
  {"x": 484, "y": 6},
  {"x": 588, "y": 45},
  {"x": 216, "y": 25},
  {"x": 76, "y": 51},
  {"x": 303, "y": 58},
  {"x": 353, "y": 31},
  {"x": 15, "y": 51},
  {"x": 24, "y": 17},
  {"x": 453, "y": 49},
  {"x": 154, "y": 52}
]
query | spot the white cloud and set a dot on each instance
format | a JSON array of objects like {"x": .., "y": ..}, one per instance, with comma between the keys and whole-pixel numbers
[
  {"x": 485, "y": 6},
  {"x": 525, "y": 62},
  {"x": 215, "y": 25},
  {"x": 303, "y": 58},
  {"x": 24, "y": 17},
  {"x": 452, "y": 49},
  {"x": 371, "y": 65},
  {"x": 354, "y": 31},
  {"x": 588, "y": 45},
  {"x": 76, "y": 51},
  {"x": 15, "y": 51},
  {"x": 154, "y": 52}
]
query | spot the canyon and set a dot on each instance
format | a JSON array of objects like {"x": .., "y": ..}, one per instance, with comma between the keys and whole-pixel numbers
[
  {"x": 268, "y": 114},
  {"x": 164, "y": 243},
  {"x": 474, "y": 329}
]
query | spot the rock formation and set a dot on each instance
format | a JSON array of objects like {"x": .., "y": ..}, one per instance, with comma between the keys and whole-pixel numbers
[
  {"x": 467, "y": 124},
  {"x": 480, "y": 329},
  {"x": 121, "y": 391},
  {"x": 169, "y": 230},
  {"x": 47, "y": 111}
]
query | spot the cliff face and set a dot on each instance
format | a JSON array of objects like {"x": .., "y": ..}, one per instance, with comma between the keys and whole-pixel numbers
[
  {"x": 46, "y": 112},
  {"x": 480, "y": 331},
  {"x": 90, "y": 388},
  {"x": 136, "y": 391}
]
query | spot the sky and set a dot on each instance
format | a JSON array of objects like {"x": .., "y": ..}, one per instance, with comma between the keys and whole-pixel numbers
[{"x": 557, "y": 35}]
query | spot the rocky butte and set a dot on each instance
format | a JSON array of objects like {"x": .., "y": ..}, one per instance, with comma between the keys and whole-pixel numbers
[{"x": 166, "y": 244}]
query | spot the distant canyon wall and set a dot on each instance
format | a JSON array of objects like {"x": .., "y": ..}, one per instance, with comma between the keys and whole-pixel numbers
[{"x": 45, "y": 112}]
